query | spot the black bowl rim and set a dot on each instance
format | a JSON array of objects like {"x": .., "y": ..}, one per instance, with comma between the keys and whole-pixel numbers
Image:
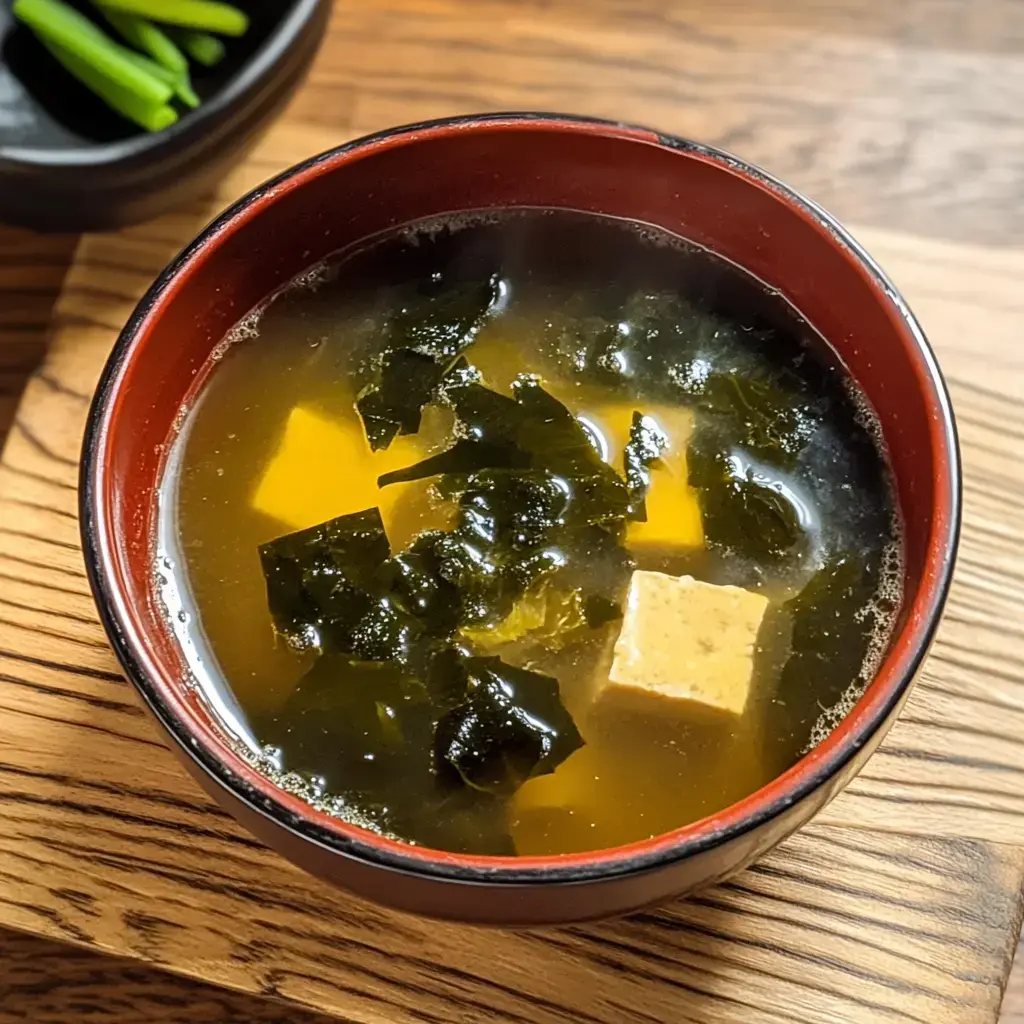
[
  {"x": 250, "y": 75},
  {"x": 605, "y": 865}
]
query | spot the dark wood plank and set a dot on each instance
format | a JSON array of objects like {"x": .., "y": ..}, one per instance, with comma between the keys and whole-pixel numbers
[{"x": 56, "y": 983}]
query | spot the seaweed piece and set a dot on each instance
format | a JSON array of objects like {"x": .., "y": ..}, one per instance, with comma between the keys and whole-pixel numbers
[
  {"x": 831, "y": 631},
  {"x": 415, "y": 582},
  {"x": 657, "y": 336},
  {"x": 549, "y": 429},
  {"x": 747, "y": 508},
  {"x": 544, "y": 615},
  {"x": 511, "y": 727},
  {"x": 771, "y": 416},
  {"x": 443, "y": 320},
  {"x": 379, "y": 423},
  {"x": 368, "y": 728},
  {"x": 822, "y": 610},
  {"x": 514, "y": 511},
  {"x": 598, "y": 610},
  {"x": 646, "y": 443},
  {"x": 364, "y": 726},
  {"x": 394, "y": 404},
  {"x": 465, "y": 820},
  {"x": 485, "y": 593},
  {"x": 384, "y": 632},
  {"x": 559, "y": 444},
  {"x": 334, "y": 587},
  {"x": 317, "y": 578},
  {"x": 446, "y": 678},
  {"x": 488, "y": 415},
  {"x": 408, "y": 380},
  {"x": 464, "y": 457}
]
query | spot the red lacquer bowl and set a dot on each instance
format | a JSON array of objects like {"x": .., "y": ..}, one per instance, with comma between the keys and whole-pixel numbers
[{"x": 498, "y": 161}]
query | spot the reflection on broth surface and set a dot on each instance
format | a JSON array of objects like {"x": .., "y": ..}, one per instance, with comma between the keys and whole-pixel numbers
[{"x": 533, "y": 532}]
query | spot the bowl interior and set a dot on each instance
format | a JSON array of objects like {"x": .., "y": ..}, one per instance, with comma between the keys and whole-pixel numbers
[
  {"x": 360, "y": 190},
  {"x": 43, "y": 107}
]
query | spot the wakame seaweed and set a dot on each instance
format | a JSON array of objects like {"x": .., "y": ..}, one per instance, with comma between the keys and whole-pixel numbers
[
  {"x": 318, "y": 579},
  {"x": 442, "y": 318},
  {"x": 408, "y": 380},
  {"x": 530, "y": 487},
  {"x": 646, "y": 444},
  {"x": 370, "y": 727},
  {"x": 358, "y": 723},
  {"x": 510, "y": 727},
  {"x": 827, "y": 650},
  {"x": 465, "y": 456},
  {"x": 746, "y": 506},
  {"x": 389, "y": 670}
]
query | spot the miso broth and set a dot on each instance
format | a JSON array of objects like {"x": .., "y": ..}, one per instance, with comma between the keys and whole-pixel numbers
[{"x": 405, "y": 521}]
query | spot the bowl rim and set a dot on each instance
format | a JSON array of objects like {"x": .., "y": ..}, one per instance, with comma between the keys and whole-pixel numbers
[
  {"x": 258, "y": 794},
  {"x": 193, "y": 124}
]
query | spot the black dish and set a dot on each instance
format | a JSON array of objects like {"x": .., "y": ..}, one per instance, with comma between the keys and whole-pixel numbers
[{"x": 69, "y": 164}]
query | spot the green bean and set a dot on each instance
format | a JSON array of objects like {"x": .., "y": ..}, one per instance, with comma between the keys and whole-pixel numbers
[
  {"x": 178, "y": 81},
  {"x": 150, "y": 67},
  {"x": 154, "y": 117},
  {"x": 77, "y": 37},
  {"x": 201, "y": 46},
  {"x": 184, "y": 91},
  {"x": 206, "y": 15},
  {"x": 145, "y": 36}
]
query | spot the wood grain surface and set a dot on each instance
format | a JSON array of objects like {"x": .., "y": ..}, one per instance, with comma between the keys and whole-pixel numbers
[
  {"x": 903, "y": 902},
  {"x": 54, "y": 983}
]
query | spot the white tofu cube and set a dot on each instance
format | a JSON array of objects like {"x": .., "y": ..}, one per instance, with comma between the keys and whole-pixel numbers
[{"x": 686, "y": 642}]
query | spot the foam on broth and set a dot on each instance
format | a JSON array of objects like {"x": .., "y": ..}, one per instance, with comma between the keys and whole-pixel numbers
[{"x": 638, "y": 775}]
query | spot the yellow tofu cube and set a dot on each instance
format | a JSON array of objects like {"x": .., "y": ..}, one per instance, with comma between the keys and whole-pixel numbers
[
  {"x": 324, "y": 469},
  {"x": 686, "y": 641},
  {"x": 673, "y": 508}
]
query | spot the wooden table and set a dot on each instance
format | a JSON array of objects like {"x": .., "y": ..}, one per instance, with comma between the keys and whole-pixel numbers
[{"x": 902, "y": 902}]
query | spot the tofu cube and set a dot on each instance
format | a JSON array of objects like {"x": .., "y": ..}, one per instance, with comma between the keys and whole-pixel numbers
[
  {"x": 687, "y": 642},
  {"x": 673, "y": 508},
  {"x": 325, "y": 468}
]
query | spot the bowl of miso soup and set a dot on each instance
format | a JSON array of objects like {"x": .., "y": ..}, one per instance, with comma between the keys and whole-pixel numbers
[{"x": 522, "y": 518}]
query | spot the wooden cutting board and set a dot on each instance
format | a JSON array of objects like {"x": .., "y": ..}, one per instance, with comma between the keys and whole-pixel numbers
[{"x": 902, "y": 902}]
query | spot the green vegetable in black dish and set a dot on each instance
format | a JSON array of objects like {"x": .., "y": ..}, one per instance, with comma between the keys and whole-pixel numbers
[
  {"x": 203, "y": 48},
  {"x": 138, "y": 81},
  {"x": 206, "y": 15}
]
